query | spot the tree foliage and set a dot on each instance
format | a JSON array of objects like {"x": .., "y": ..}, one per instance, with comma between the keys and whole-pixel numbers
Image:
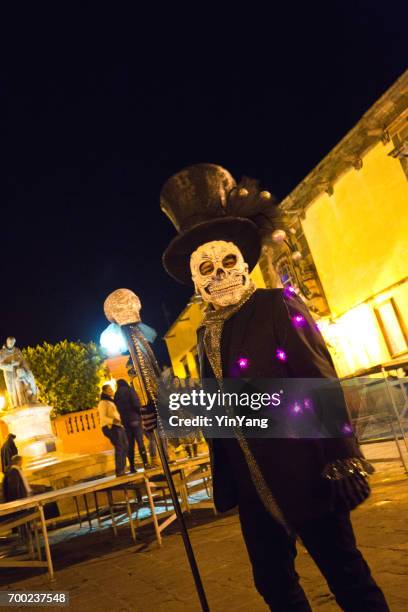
[{"x": 68, "y": 374}]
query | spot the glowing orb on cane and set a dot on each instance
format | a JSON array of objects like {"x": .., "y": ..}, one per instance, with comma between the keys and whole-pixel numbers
[{"x": 113, "y": 341}]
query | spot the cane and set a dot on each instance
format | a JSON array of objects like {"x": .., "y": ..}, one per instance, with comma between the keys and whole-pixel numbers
[{"x": 123, "y": 307}]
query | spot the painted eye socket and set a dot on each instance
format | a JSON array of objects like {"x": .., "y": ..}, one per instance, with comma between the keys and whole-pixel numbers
[
  {"x": 229, "y": 261},
  {"x": 206, "y": 268}
]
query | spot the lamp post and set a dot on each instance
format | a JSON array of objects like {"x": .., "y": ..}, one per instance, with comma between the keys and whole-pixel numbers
[
  {"x": 280, "y": 236},
  {"x": 123, "y": 308}
]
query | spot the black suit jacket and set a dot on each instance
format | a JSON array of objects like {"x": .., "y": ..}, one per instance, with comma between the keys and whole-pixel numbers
[{"x": 291, "y": 467}]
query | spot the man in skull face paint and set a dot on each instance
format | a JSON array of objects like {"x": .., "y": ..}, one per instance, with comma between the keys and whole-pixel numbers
[{"x": 277, "y": 483}]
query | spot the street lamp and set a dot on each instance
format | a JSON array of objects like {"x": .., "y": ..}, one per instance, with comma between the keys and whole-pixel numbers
[
  {"x": 279, "y": 236},
  {"x": 113, "y": 341}
]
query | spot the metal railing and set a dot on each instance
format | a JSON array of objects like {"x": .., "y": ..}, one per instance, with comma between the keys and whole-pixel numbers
[{"x": 378, "y": 405}]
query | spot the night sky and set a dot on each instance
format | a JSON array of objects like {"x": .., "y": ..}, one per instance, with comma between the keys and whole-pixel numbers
[{"x": 98, "y": 110}]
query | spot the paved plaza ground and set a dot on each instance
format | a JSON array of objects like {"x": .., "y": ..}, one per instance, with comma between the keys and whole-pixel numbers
[{"x": 105, "y": 573}]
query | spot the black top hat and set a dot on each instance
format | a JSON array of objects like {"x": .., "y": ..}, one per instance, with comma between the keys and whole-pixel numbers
[{"x": 204, "y": 204}]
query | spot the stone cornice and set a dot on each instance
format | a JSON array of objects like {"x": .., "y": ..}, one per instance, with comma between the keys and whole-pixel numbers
[{"x": 374, "y": 126}]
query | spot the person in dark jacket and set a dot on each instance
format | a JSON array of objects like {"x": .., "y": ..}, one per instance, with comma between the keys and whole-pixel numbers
[
  {"x": 8, "y": 450},
  {"x": 15, "y": 486},
  {"x": 128, "y": 406},
  {"x": 284, "y": 487}
]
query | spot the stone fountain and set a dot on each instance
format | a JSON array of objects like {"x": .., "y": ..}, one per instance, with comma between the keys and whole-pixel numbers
[{"x": 28, "y": 419}]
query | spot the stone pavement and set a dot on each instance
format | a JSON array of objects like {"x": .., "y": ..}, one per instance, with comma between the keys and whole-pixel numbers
[{"x": 106, "y": 573}]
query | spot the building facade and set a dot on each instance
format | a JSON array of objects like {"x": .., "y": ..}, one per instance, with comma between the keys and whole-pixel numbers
[
  {"x": 346, "y": 251},
  {"x": 353, "y": 209}
]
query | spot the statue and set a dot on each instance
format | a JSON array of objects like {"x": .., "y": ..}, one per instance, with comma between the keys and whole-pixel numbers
[
  {"x": 28, "y": 420},
  {"x": 19, "y": 379}
]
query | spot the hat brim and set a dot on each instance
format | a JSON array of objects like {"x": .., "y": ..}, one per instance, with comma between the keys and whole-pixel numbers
[{"x": 242, "y": 232}]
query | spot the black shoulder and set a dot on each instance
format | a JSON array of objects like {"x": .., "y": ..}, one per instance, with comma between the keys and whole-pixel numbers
[
  {"x": 281, "y": 297},
  {"x": 269, "y": 296}
]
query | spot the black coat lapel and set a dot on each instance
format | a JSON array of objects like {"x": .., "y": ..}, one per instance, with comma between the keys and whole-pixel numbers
[
  {"x": 234, "y": 336},
  {"x": 232, "y": 340}
]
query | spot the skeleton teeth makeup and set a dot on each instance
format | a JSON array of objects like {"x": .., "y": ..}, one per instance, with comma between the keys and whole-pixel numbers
[{"x": 219, "y": 272}]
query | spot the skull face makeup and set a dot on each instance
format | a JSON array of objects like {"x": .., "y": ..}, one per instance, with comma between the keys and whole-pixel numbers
[{"x": 219, "y": 272}]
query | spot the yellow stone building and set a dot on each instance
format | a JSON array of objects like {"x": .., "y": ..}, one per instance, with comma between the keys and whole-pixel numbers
[{"x": 350, "y": 223}]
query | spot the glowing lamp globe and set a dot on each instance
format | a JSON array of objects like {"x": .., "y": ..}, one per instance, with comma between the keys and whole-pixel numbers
[
  {"x": 122, "y": 307},
  {"x": 113, "y": 341}
]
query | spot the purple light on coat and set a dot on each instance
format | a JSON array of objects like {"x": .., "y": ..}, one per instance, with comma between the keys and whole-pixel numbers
[
  {"x": 307, "y": 403},
  {"x": 296, "y": 408},
  {"x": 243, "y": 363},
  {"x": 281, "y": 355},
  {"x": 288, "y": 291},
  {"x": 298, "y": 320}
]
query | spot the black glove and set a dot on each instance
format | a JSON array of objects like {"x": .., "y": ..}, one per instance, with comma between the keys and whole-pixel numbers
[{"x": 349, "y": 481}]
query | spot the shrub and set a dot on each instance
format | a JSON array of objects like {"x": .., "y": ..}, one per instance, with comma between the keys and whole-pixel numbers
[{"x": 68, "y": 374}]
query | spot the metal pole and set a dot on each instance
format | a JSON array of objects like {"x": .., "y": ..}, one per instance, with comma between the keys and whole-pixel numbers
[
  {"x": 397, "y": 417},
  {"x": 170, "y": 483}
]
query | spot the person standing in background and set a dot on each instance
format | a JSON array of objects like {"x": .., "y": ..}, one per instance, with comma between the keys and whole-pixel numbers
[
  {"x": 8, "y": 450},
  {"x": 128, "y": 406},
  {"x": 112, "y": 428},
  {"x": 192, "y": 436}
]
